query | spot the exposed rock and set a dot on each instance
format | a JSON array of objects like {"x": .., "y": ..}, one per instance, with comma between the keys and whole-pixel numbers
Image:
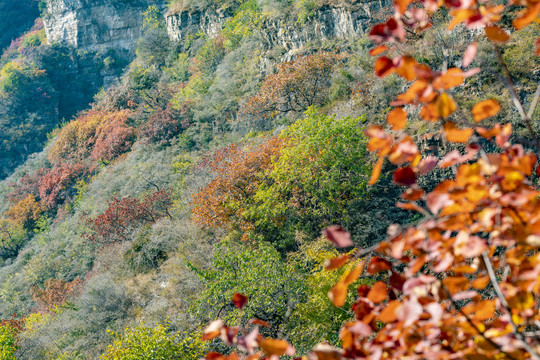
[
  {"x": 329, "y": 22},
  {"x": 209, "y": 22},
  {"x": 97, "y": 25}
]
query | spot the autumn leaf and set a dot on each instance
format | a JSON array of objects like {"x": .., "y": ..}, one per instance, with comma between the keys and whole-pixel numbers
[
  {"x": 405, "y": 176},
  {"x": 397, "y": 118},
  {"x": 485, "y": 109},
  {"x": 378, "y": 50},
  {"x": 378, "y": 292},
  {"x": 384, "y": 66},
  {"x": 376, "y": 171},
  {"x": 450, "y": 79},
  {"x": 480, "y": 283},
  {"x": 338, "y": 294},
  {"x": 338, "y": 236},
  {"x": 527, "y": 16},
  {"x": 327, "y": 352},
  {"x": 445, "y": 105},
  {"x": 239, "y": 300},
  {"x": 388, "y": 314},
  {"x": 453, "y": 134},
  {"x": 496, "y": 34},
  {"x": 378, "y": 264},
  {"x": 276, "y": 347},
  {"x": 470, "y": 54},
  {"x": 213, "y": 330},
  {"x": 337, "y": 262}
]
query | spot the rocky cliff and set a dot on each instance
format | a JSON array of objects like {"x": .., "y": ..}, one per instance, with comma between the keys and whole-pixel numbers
[
  {"x": 328, "y": 22},
  {"x": 97, "y": 25}
]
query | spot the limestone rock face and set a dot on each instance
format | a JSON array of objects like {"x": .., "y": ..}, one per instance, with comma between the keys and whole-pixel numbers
[
  {"x": 209, "y": 22},
  {"x": 328, "y": 22},
  {"x": 97, "y": 25}
]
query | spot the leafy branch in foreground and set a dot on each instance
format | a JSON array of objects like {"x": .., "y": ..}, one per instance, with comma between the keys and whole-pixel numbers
[{"x": 462, "y": 282}]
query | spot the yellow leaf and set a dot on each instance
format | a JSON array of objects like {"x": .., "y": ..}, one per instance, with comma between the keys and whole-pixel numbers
[{"x": 445, "y": 105}]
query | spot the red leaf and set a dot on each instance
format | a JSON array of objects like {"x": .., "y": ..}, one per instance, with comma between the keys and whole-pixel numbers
[
  {"x": 338, "y": 236},
  {"x": 405, "y": 176},
  {"x": 378, "y": 264},
  {"x": 239, "y": 300}
]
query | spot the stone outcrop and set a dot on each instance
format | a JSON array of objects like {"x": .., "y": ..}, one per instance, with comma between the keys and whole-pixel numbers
[
  {"x": 209, "y": 21},
  {"x": 328, "y": 22},
  {"x": 97, "y": 25}
]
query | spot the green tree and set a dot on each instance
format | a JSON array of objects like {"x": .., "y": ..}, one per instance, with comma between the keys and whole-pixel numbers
[
  {"x": 319, "y": 178},
  {"x": 8, "y": 341},
  {"x": 158, "y": 343}
]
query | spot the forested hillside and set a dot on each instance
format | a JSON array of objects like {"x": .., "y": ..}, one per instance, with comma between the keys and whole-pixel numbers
[{"x": 256, "y": 160}]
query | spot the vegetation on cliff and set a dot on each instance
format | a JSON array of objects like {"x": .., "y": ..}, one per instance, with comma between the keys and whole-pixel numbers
[{"x": 208, "y": 184}]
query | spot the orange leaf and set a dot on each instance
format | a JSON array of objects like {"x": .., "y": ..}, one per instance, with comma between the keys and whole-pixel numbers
[
  {"x": 378, "y": 50},
  {"x": 378, "y": 292},
  {"x": 430, "y": 112},
  {"x": 485, "y": 109},
  {"x": 496, "y": 34},
  {"x": 338, "y": 294},
  {"x": 397, "y": 118},
  {"x": 327, "y": 352},
  {"x": 384, "y": 66},
  {"x": 376, "y": 171},
  {"x": 480, "y": 283},
  {"x": 337, "y": 262},
  {"x": 460, "y": 16},
  {"x": 484, "y": 310},
  {"x": 353, "y": 274},
  {"x": 450, "y": 79},
  {"x": 445, "y": 105},
  {"x": 527, "y": 16},
  {"x": 456, "y": 284},
  {"x": 453, "y": 134},
  {"x": 388, "y": 314},
  {"x": 273, "y": 347},
  {"x": 401, "y": 5},
  {"x": 406, "y": 68},
  {"x": 537, "y": 47}
]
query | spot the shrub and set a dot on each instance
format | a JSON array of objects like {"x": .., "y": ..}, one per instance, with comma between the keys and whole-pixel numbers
[
  {"x": 9, "y": 329},
  {"x": 97, "y": 134},
  {"x": 125, "y": 215},
  {"x": 157, "y": 343},
  {"x": 12, "y": 238},
  {"x": 55, "y": 293},
  {"x": 163, "y": 125},
  {"x": 26, "y": 212},
  {"x": 239, "y": 171},
  {"x": 57, "y": 185},
  {"x": 296, "y": 86}
]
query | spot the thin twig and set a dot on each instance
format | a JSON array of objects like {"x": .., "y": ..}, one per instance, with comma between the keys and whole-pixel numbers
[
  {"x": 504, "y": 303},
  {"x": 480, "y": 332},
  {"x": 507, "y": 79}
]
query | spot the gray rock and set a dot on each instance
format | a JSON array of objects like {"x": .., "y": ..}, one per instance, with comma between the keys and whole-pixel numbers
[{"x": 97, "y": 25}]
